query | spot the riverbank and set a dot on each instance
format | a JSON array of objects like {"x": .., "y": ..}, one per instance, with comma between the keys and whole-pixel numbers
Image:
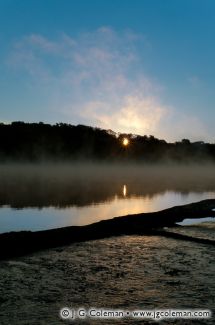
[{"x": 20, "y": 243}]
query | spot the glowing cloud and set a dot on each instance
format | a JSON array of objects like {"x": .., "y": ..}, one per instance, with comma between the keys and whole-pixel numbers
[{"x": 97, "y": 79}]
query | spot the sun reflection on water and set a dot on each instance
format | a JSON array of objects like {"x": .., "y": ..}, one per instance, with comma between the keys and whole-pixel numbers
[{"x": 124, "y": 191}]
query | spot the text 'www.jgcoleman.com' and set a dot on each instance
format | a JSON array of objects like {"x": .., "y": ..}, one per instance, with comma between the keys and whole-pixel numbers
[{"x": 154, "y": 314}]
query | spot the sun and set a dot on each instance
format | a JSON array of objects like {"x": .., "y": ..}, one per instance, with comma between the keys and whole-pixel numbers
[{"x": 125, "y": 142}]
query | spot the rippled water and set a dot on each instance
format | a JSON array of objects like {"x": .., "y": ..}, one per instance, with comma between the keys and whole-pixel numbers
[{"x": 127, "y": 272}]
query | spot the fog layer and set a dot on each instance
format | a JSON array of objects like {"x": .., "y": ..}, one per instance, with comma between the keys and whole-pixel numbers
[{"x": 65, "y": 185}]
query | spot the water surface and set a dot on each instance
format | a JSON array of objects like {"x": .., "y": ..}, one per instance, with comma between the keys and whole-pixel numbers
[
  {"x": 36, "y": 197},
  {"x": 126, "y": 272}
]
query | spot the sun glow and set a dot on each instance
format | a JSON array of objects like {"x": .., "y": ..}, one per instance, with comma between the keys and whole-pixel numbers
[{"x": 125, "y": 142}]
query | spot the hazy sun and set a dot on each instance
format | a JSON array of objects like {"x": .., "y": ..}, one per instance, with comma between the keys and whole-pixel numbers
[{"x": 125, "y": 141}]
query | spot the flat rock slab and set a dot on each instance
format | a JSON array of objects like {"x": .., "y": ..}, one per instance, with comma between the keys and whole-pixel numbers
[{"x": 24, "y": 242}]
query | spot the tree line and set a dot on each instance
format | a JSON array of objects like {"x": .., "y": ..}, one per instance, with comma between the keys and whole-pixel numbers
[{"x": 20, "y": 141}]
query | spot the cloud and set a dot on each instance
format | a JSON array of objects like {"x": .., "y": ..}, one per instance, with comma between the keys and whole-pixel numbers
[
  {"x": 134, "y": 115},
  {"x": 97, "y": 78}
]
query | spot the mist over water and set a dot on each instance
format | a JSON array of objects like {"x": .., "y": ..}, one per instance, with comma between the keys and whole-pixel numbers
[
  {"x": 128, "y": 272},
  {"x": 64, "y": 185},
  {"x": 43, "y": 196}
]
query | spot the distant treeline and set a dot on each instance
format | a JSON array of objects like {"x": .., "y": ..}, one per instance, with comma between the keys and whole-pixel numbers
[{"x": 21, "y": 141}]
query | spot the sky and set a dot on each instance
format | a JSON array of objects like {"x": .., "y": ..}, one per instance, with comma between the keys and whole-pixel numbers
[{"x": 133, "y": 66}]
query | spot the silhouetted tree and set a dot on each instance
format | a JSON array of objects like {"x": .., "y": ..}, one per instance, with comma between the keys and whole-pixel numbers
[{"x": 21, "y": 141}]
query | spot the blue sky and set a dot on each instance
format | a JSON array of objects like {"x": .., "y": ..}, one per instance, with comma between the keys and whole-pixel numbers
[{"x": 140, "y": 66}]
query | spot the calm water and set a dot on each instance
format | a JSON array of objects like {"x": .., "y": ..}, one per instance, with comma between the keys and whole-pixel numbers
[
  {"x": 45, "y": 197},
  {"x": 47, "y": 218},
  {"x": 126, "y": 272}
]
